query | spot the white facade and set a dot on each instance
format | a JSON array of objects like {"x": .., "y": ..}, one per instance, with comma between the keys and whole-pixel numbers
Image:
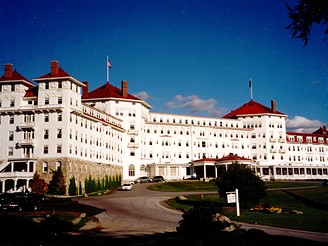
[{"x": 108, "y": 131}]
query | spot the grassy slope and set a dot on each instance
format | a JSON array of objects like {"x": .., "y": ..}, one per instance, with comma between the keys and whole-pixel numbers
[{"x": 311, "y": 199}]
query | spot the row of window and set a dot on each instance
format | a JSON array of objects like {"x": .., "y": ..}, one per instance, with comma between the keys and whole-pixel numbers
[
  {"x": 297, "y": 171},
  {"x": 200, "y": 133},
  {"x": 194, "y": 122},
  {"x": 308, "y": 139},
  {"x": 115, "y": 156}
]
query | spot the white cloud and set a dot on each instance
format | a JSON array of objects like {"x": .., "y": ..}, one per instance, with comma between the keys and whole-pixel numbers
[
  {"x": 142, "y": 95},
  {"x": 302, "y": 124},
  {"x": 196, "y": 105}
]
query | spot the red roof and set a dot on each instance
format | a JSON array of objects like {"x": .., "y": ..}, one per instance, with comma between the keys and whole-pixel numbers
[
  {"x": 233, "y": 157},
  {"x": 322, "y": 130},
  {"x": 251, "y": 108},
  {"x": 60, "y": 73},
  {"x": 106, "y": 91},
  {"x": 206, "y": 160},
  {"x": 15, "y": 77},
  {"x": 32, "y": 92}
]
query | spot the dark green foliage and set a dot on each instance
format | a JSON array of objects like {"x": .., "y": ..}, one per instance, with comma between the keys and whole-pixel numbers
[
  {"x": 80, "y": 188},
  {"x": 109, "y": 182},
  {"x": 72, "y": 189},
  {"x": 57, "y": 185},
  {"x": 304, "y": 14},
  {"x": 251, "y": 188},
  {"x": 199, "y": 221}
]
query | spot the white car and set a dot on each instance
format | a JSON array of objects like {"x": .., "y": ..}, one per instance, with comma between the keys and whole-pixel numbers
[{"x": 127, "y": 186}]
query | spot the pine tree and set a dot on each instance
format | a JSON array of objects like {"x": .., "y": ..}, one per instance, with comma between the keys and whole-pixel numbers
[{"x": 57, "y": 185}]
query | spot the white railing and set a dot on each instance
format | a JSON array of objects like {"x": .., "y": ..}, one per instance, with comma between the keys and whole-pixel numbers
[
  {"x": 133, "y": 145},
  {"x": 26, "y": 142}
]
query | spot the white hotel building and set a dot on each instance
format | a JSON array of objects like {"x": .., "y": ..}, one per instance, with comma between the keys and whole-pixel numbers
[{"x": 55, "y": 121}]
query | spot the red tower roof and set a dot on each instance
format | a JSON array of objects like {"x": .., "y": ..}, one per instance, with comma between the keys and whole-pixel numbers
[
  {"x": 107, "y": 91},
  {"x": 253, "y": 108}
]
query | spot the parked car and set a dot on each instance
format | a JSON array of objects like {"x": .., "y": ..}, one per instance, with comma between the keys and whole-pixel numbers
[
  {"x": 19, "y": 201},
  {"x": 143, "y": 179},
  {"x": 127, "y": 186},
  {"x": 158, "y": 179},
  {"x": 7, "y": 203}
]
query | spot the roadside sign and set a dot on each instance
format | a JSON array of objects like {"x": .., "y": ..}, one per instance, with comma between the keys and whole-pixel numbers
[{"x": 233, "y": 197}]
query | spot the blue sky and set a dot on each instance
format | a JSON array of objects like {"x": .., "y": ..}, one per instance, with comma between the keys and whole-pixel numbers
[{"x": 187, "y": 57}]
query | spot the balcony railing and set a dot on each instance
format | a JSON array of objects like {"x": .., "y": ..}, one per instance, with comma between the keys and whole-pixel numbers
[
  {"x": 26, "y": 125},
  {"x": 25, "y": 142},
  {"x": 133, "y": 132},
  {"x": 133, "y": 145}
]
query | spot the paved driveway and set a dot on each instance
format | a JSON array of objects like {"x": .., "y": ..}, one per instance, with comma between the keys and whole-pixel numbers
[{"x": 134, "y": 212}]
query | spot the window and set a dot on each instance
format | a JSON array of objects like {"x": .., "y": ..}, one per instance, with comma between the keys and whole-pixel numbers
[
  {"x": 11, "y": 119},
  {"x": 46, "y": 101},
  {"x": 131, "y": 170},
  {"x": 59, "y": 117},
  {"x": 46, "y": 117},
  {"x": 59, "y": 148},
  {"x": 46, "y": 134},
  {"x": 11, "y": 136},
  {"x": 132, "y": 153},
  {"x": 45, "y": 167},
  {"x": 59, "y": 133},
  {"x": 45, "y": 149},
  {"x": 60, "y": 84},
  {"x": 12, "y": 87},
  {"x": 60, "y": 100},
  {"x": 12, "y": 103},
  {"x": 10, "y": 151}
]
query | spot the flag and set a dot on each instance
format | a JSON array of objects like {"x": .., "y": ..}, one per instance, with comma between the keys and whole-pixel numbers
[
  {"x": 109, "y": 64},
  {"x": 250, "y": 83}
]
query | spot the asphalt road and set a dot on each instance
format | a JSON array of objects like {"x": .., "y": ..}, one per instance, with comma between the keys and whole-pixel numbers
[{"x": 141, "y": 212}]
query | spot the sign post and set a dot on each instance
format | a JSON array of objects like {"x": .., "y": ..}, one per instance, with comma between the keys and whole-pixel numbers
[{"x": 233, "y": 197}]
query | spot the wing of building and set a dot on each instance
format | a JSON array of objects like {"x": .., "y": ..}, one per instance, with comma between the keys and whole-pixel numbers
[{"x": 56, "y": 121}]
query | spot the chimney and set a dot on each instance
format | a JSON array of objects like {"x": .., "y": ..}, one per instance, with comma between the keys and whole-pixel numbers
[
  {"x": 124, "y": 88},
  {"x": 8, "y": 71},
  {"x": 54, "y": 68},
  {"x": 273, "y": 106},
  {"x": 85, "y": 89}
]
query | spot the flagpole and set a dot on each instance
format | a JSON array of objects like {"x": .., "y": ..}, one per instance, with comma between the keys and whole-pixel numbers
[
  {"x": 107, "y": 67},
  {"x": 250, "y": 87}
]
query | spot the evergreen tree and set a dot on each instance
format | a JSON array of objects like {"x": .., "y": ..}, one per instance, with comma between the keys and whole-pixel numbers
[
  {"x": 57, "y": 185},
  {"x": 72, "y": 189}
]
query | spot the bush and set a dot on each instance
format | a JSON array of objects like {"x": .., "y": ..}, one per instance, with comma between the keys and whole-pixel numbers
[
  {"x": 199, "y": 221},
  {"x": 251, "y": 187}
]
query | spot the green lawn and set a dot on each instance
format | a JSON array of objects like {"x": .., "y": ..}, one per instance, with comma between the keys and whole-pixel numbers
[{"x": 311, "y": 199}]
